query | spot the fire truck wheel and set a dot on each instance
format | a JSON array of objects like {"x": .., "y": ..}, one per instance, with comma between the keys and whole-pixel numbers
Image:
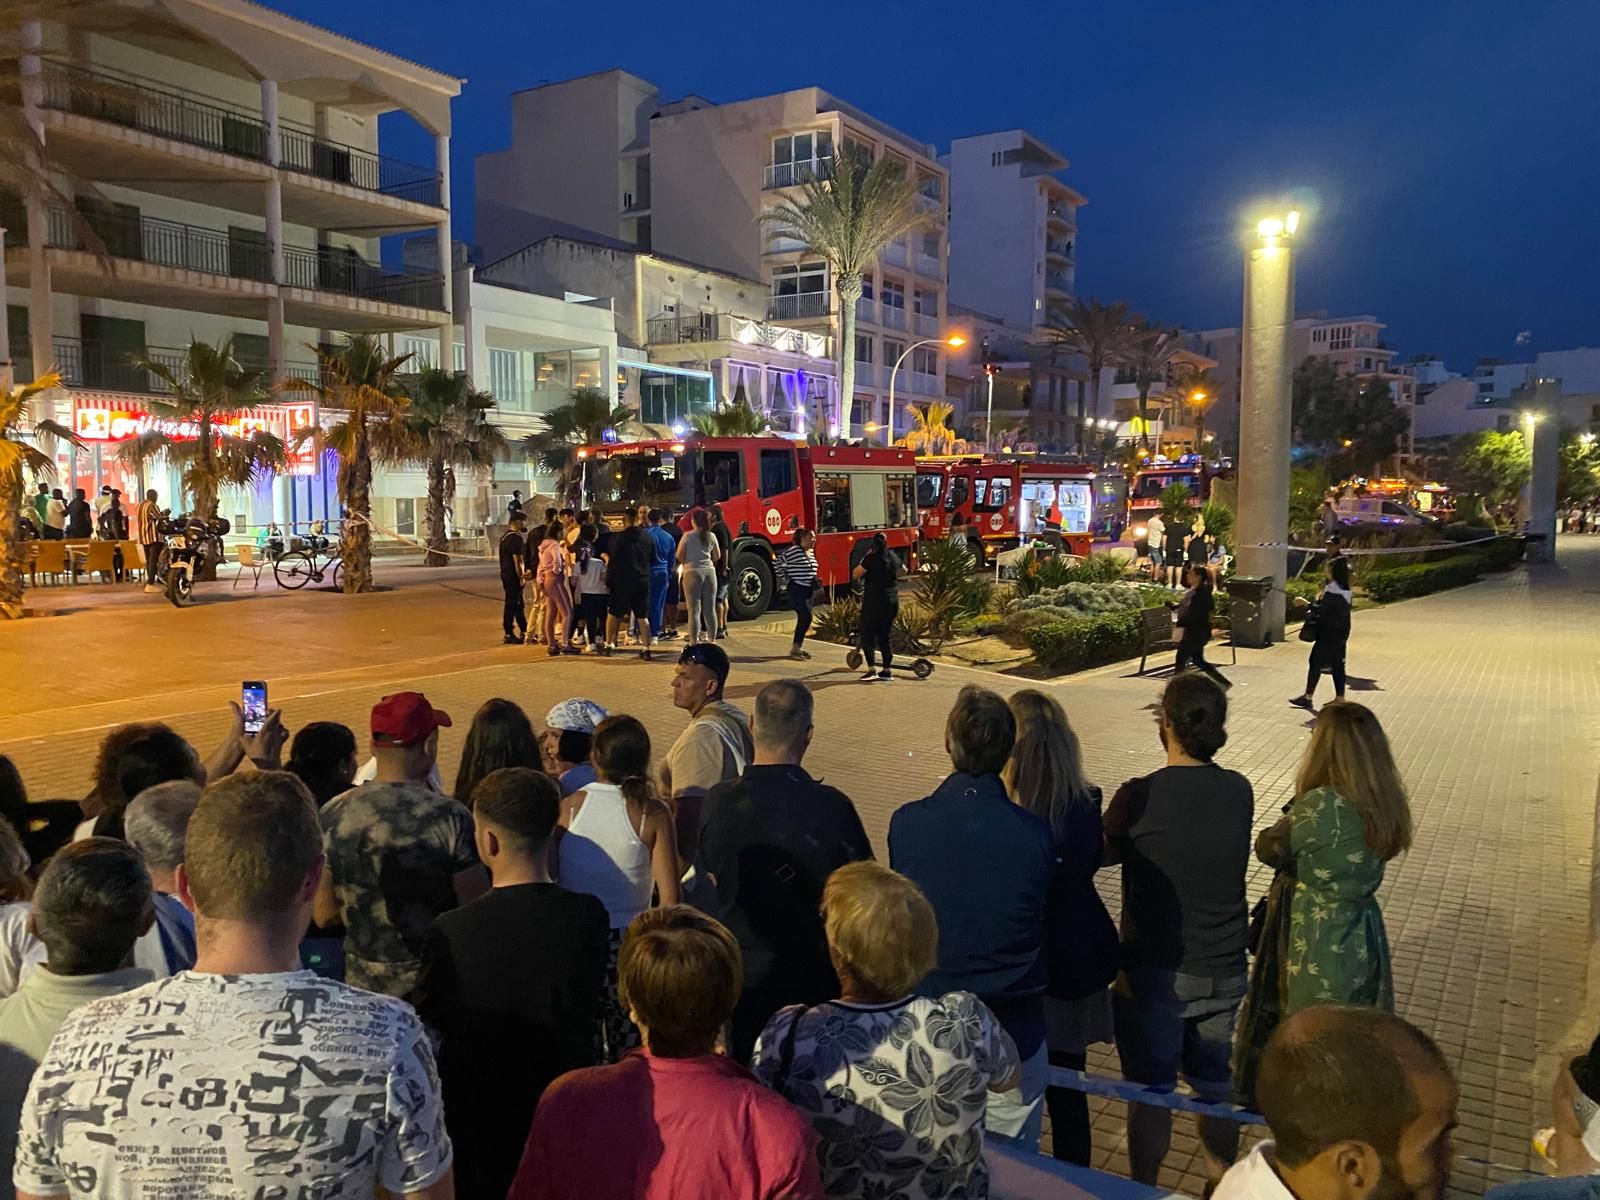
[{"x": 751, "y": 590}]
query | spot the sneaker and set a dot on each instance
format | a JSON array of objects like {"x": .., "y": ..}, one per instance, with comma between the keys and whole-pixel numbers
[
  {"x": 885, "y": 676},
  {"x": 1303, "y": 702},
  {"x": 554, "y": 652},
  {"x": 722, "y": 633},
  {"x": 150, "y": 587},
  {"x": 603, "y": 650},
  {"x": 871, "y": 677},
  {"x": 512, "y": 639},
  {"x": 799, "y": 655},
  {"x": 645, "y": 655}
]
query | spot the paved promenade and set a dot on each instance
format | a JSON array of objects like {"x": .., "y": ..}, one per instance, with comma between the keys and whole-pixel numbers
[{"x": 1489, "y": 693}]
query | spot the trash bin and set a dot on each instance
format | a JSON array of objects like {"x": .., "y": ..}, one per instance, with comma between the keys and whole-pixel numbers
[{"x": 1247, "y": 610}]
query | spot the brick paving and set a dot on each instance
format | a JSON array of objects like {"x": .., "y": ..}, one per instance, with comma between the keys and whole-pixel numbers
[{"x": 1488, "y": 694}]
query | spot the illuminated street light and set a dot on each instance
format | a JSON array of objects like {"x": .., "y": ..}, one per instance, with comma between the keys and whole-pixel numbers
[
  {"x": 1266, "y": 339},
  {"x": 953, "y": 340}
]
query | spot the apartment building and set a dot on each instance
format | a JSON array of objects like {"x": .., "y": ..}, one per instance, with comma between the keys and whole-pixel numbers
[
  {"x": 1038, "y": 386},
  {"x": 1013, "y": 228},
  {"x": 687, "y": 179},
  {"x": 238, "y": 189},
  {"x": 1354, "y": 345},
  {"x": 1173, "y": 418},
  {"x": 683, "y": 315}
]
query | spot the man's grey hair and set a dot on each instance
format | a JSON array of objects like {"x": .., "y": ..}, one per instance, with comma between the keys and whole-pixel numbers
[
  {"x": 783, "y": 713},
  {"x": 157, "y": 822}
]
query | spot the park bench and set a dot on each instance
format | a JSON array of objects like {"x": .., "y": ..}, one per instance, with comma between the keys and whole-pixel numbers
[{"x": 1159, "y": 633}]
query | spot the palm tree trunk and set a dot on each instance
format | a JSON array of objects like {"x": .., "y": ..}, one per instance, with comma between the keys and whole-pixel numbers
[
  {"x": 205, "y": 487},
  {"x": 1095, "y": 367},
  {"x": 849, "y": 289},
  {"x": 1200, "y": 431},
  {"x": 1144, "y": 414},
  {"x": 10, "y": 546},
  {"x": 355, "y": 536},
  {"x": 436, "y": 556}
]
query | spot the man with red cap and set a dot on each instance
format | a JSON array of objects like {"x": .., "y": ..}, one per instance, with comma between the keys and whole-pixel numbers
[{"x": 398, "y": 852}]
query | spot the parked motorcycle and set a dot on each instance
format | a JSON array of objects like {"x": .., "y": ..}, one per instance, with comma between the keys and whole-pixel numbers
[{"x": 191, "y": 543}]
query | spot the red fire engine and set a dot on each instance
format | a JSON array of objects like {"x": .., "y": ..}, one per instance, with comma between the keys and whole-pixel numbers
[
  {"x": 1005, "y": 502},
  {"x": 768, "y": 487},
  {"x": 1144, "y": 497}
]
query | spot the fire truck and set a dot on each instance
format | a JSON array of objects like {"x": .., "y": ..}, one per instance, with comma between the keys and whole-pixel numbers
[
  {"x": 1144, "y": 496},
  {"x": 1003, "y": 503},
  {"x": 768, "y": 487}
]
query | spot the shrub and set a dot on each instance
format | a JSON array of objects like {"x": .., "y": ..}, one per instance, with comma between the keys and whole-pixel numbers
[
  {"x": 1302, "y": 589},
  {"x": 949, "y": 581},
  {"x": 1501, "y": 554},
  {"x": 1081, "y": 642},
  {"x": 1218, "y": 518},
  {"x": 1418, "y": 579},
  {"x": 1084, "y": 599},
  {"x": 837, "y": 621},
  {"x": 1464, "y": 533}
]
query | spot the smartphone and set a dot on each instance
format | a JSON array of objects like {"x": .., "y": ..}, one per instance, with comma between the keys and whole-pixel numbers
[{"x": 253, "y": 699}]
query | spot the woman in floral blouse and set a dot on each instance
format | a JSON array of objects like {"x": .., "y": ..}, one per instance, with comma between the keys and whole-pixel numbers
[
  {"x": 1321, "y": 938},
  {"x": 894, "y": 1083}
]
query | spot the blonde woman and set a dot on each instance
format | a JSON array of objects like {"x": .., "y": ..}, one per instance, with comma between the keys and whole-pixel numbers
[
  {"x": 1322, "y": 939},
  {"x": 895, "y": 1083},
  {"x": 1045, "y": 776}
]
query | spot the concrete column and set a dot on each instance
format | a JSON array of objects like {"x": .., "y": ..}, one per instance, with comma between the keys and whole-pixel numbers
[
  {"x": 447, "y": 337},
  {"x": 1541, "y": 425},
  {"x": 1264, "y": 426},
  {"x": 274, "y": 214},
  {"x": 477, "y": 362},
  {"x": 41, "y": 318}
]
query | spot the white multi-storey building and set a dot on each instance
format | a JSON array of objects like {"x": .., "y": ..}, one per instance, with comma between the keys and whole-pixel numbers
[
  {"x": 1013, "y": 228},
  {"x": 687, "y": 180},
  {"x": 238, "y": 190}
]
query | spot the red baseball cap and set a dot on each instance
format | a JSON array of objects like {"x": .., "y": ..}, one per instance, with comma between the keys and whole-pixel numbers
[{"x": 406, "y": 718}]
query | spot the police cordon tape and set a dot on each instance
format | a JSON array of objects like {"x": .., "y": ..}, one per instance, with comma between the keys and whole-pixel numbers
[
  {"x": 1376, "y": 549},
  {"x": 355, "y": 519}
]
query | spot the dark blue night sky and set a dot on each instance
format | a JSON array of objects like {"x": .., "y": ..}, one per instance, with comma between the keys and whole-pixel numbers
[{"x": 1453, "y": 149}]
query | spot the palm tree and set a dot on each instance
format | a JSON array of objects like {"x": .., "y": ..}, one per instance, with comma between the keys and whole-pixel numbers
[
  {"x": 582, "y": 421},
  {"x": 847, "y": 216},
  {"x": 1152, "y": 349},
  {"x": 205, "y": 389},
  {"x": 18, "y": 458},
  {"x": 1198, "y": 392},
  {"x": 930, "y": 430},
  {"x": 446, "y": 426},
  {"x": 1103, "y": 334},
  {"x": 731, "y": 420},
  {"x": 362, "y": 381}
]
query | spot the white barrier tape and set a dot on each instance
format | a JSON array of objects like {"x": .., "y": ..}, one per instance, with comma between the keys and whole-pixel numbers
[
  {"x": 417, "y": 542},
  {"x": 1378, "y": 549}
]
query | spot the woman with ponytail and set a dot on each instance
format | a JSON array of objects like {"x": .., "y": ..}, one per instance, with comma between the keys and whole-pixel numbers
[{"x": 619, "y": 846}]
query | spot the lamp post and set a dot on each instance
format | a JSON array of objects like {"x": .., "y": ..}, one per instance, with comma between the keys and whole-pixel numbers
[
  {"x": 953, "y": 341},
  {"x": 1264, "y": 425}
]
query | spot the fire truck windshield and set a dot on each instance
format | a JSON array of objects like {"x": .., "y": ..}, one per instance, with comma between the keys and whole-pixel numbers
[
  {"x": 1149, "y": 487},
  {"x": 929, "y": 488},
  {"x": 659, "y": 480}
]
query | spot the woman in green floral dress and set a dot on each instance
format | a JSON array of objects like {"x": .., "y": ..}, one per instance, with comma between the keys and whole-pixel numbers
[{"x": 1321, "y": 938}]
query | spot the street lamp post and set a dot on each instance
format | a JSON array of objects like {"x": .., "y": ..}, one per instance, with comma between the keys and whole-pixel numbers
[
  {"x": 953, "y": 341},
  {"x": 1264, "y": 424}
]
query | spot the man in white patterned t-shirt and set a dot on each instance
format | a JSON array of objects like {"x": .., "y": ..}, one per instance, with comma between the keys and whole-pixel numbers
[{"x": 246, "y": 1076}]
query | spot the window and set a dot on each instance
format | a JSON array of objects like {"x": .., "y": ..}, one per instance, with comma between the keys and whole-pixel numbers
[
  {"x": 898, "y": 509},
  {"x": 930, "y": 243},
  {"x": 505, "y": 378},
  {"x": 863, "y": 347},
  {"x": 719, "y": 477},
  {"x": 460, "y": 357},
  {"x": 423, "y": 351},
  {"x": 552, "y": 371},
  {"x": 993, "y": 497},
  {"x": 801, "y": 278},
  {"x": 959, "y": 491},
  {"x": 857, "y": 147},
  {"x": 925, "y": 302},
  {"x": 797, "y": 157},
  {"x": 925, "y": 360},
  {"x": 833, "y": 503},
  {"x": 894, "y": 294},
  {"x": 892, "y": 350},
  {"x": 777, "y": 472},
  {"x": 405, "y": 517},
  {"x": 866, "y": 287},
  {"x": 929, "y": 489}
]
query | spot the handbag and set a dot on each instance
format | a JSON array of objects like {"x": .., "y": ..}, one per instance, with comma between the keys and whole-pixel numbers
[{"x": 1308, "y": 630}]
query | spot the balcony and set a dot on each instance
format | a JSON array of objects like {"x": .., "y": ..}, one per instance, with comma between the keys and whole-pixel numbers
[
  {"x": 893, "y": 318},
  {"x": 929, "y": 266},
  {"x": 690, "y": 328},
  {"x": 331, "y": 269},
  {"x": 867, "y": 309},
  {"x": 799, "y": 306},
  {"x": 925, "y": 385},
  {"x": 1058, "y": 249},
  {"x": 87, "y": 364},
  {"x": 894, "y": 254},
  {"x": 134, "y": 238},
  {"x": 779, "y": 244},
  {"x": 143, "y": 105},
  {"x": 933, "y": 206},
  {"x": 782, "y": 175},
  {"x": 868, "y": 374},
  {"x": 925, "y": 324},
  {"x": 1060, "y": 214},
  {"x": 1057, "y": 282}
]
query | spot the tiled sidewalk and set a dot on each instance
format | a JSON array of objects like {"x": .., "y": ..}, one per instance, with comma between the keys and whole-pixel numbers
[{"x": 1489, "y": 695}]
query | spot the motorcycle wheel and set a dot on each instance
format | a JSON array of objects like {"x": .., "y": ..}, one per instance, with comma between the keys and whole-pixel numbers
[{"x": 179, "y": 589}]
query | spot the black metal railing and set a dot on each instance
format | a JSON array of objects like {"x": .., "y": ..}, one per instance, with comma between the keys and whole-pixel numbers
[
  {"x": 332, "y": 269},
  {"x": 696, "y": 327},
  {"x": 136, "y": 103},
  {"x": 799, "y": 306},
  {"x": 308, "y": 154},
  {"x": 240, "y": 254},
  {"x": 88, "y": 364}
]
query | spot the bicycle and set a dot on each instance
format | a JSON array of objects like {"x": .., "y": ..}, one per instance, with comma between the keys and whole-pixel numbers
[{"x": 310, "y": 565}]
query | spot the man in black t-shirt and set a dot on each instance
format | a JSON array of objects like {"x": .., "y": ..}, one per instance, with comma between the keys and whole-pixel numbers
[
  {"x": 511, "y": 983},
  {"x": 628, "y": 558},
  {"x": 513, "y": 570},
  {"x": 768, "y": 841}
]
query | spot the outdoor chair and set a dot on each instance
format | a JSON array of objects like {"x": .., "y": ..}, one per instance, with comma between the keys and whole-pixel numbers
[
  {"x": 101, "y": 556},
  {"x": 132, "y": 559},
  {"x": 248, "y": 562},
  {"x": 49, "y": 558}
]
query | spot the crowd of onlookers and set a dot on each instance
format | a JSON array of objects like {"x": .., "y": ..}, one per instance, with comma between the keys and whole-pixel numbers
[{"x": 586, "y": 968}]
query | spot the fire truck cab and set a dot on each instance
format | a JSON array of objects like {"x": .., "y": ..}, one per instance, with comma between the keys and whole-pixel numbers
[
  {"x": 768, "y": 487},
  {"x": 1144, "y": 495},
  {"x": 1004, "y": 503}
]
